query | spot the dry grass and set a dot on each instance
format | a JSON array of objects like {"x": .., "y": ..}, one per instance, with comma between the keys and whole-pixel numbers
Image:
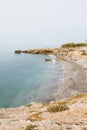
[
  {"x": 74, "y": 99},
  {"x": 30, "y": 127},
  {"x": 28, "y": 105},
  {"x": 35, "y": 117},
  {"x": 57, "y": 106},
  {"x": 80, "y": 95},
  {"x": 68, "y": 128},
  {"x": 60, "y": 103},
  {"x": 3, "y": 117},
  {"x": 70, "y": 100},
  {"x": 84, "y": 128}
]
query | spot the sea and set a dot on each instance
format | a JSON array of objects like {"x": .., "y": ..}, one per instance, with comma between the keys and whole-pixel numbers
[{"x": 26, "y": 78}]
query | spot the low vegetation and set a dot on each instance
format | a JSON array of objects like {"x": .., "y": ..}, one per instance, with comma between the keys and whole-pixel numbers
[
  {"x": 84, "y": 128},
  {"x": 81, "y": 95},
  {"x": 30, "y": 127},
  {"x": 28, "y": 105},
  {"x": 68, "y": 128},
  {"x": 57, "y": 108},
  {"x": 74, "y": 44},
  {"x": 3, "y": 117},
  {"x": 78, "y": 96},
  {"x": 35, "y": 117}
]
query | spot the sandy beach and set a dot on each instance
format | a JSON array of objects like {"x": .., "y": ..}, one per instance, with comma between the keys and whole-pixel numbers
[{"x": 75, "y": 78}]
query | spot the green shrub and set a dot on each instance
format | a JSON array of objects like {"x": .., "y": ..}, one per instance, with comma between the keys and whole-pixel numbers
[
  {"x": 74, "y": 44},
  {"x": 28, "y": 105},
  {"x": 57, "y": 108},
  {"x": 30, "y": 127}
]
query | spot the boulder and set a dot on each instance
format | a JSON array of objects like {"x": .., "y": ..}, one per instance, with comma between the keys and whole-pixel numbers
[
  {"x": 47, "y": 59},
  {"x": 18, "y": 51}
]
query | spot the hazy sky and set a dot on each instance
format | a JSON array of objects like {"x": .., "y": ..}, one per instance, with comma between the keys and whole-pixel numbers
[{"x": 42, "y": 23}]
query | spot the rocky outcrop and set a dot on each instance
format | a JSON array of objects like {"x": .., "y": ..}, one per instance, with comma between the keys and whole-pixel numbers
[
  {"x": 37, "y": 116},
  {"x": 40, "y": 51},
  {"x": 47, "y": 59},
  {"x": 18, "y": 51},
  {"x": 61, "y": 53},
  {"x": 72, "y": 53}
]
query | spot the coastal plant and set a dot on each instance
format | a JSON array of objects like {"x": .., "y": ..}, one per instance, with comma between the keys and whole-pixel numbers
[
  {"x": 71, "y": 44},
  {"x": 31, "y": 127},
  {"x": 68, "y": 128},
  {"x": 78, "y": 96},
  {"x": 57, "y": 108},
  {"x": 60, "y": 103},
  {"x": 3, "y": 117},
  {"x": 35, "y": 117},
  {"x": 28, "y": 105},
  {"x": 84, "y": 128}
]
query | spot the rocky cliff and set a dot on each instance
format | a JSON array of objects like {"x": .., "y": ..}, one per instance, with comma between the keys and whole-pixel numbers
[{"x": 51, "y": 116}]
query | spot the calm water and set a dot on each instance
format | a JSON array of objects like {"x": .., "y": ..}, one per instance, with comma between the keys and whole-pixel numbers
[{"x": 25, "y": 78}]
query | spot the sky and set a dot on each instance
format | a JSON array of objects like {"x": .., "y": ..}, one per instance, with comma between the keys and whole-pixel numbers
[{"x": 42, "y": 23}]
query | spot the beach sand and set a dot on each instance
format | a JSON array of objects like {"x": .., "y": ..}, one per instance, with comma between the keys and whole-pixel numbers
[{"x": 75, "y": 78}]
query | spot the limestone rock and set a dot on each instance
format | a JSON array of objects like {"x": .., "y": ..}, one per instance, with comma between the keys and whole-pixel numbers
[
  {"x": 47, "y": 59},
  {"x": 18, "y": 51}
]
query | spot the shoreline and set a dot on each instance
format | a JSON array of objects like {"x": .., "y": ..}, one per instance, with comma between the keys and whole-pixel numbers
[
  {"x": 74, "y": 76},
  {"x": 74, "y": 73},
  {"x": 37, "y": 114},
  {"x": 75, "y": 79}
]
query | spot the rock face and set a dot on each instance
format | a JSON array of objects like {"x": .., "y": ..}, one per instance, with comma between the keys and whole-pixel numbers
[
  {"x": 47, "y": 59},
  {"x": 39, "y": 51},
  {"x": 61, "y": 53},
  {"x": 72, "y": 53},
  {"x": 38, "y": 116},
  {"x": 18, "y": 51}
]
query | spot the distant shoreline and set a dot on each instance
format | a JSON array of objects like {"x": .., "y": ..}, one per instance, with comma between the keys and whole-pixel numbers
[
  {"x": 70, "y": 53},
  {"x": 75, "y": 75}
]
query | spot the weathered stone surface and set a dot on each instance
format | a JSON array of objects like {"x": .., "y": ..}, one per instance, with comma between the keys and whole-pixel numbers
[
  {"x": 40, "y": 51},
  {"x": 18, "y": 51},
  {"x": 47, "y": 59},
  {"x": 19, "y": 118},
  {"x": 61, "y": 53},
  {"x": 64, "y": 53}
]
